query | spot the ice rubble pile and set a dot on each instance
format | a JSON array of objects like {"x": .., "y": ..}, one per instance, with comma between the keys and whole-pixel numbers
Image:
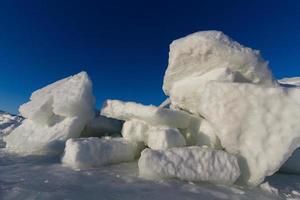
[
  {"x": 226, "y": 119},
  {"x": 54, "y": 114}
]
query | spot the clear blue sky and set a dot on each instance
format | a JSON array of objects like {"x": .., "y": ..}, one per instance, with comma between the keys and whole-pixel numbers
[{"x": 123, "y": 45}]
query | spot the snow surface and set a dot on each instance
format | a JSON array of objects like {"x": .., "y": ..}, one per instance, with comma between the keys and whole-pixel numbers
[
  {"x": 190, "y": 164},
  {"x": 82, "y": 153},
  {"x": 54, "y": 113},
  {"x": 294, "y": 81},
  {"x": 155, "y": 137},
  {"x": 150, "y": 114},
  {"x": 35, "y": 177},
  {"x": 201, "y": 52},
  {"x": 260, "y": 124}
]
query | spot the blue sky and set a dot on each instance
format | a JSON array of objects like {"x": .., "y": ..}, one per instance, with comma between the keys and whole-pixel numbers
[{"x": 123, "y": 45}]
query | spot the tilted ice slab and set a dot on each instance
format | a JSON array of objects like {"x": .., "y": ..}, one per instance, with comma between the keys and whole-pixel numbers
[
  {"x": 260, "y": 124},
  {"x": 150, "y": 114},
  {"x": 155, "y": 137},
  {"x": 185, "y": 93},
  {"x": 201, "y": 52},
  {"x": 190, "y": 164},
  {"x": 54, "y": 113},
  {"x": 82, "y": 153}
]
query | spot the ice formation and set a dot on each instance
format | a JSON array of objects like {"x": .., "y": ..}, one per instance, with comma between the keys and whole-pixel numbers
[
  {"x": 201, "y": 52},
  {"x": 258, "y": 123},
  {"x": 155, "y": 137},
  {"x": 190, "y": 164},
  {"x": 82, "y": 153},
  {"x": 54, "y": 113},
  {"x": 150, "y": 114}
]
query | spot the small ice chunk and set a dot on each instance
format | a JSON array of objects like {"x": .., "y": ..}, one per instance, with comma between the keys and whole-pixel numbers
[
  {"x": 135, "y": 130},
  {"x": 151, "y": 114},
  {"x": 164, "y": 138},
  {"x": 82, "y": 153},
  {"x": 201, "y": 52},
  {"x": 102, "y": 126},
  {"x": 54, "y": 113},
  {"x": 190, "y": 164},
  {"x": 260, "y": 124},
  {"x": 155, "y": 137}
]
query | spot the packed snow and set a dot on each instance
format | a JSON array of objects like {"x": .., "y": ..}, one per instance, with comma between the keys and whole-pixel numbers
[
  {"x": 54, "y": 114},
  {"x": 82, "y": 153},
  {"x": 190, "y": 164},
  {"x": 225, "y": 125}
]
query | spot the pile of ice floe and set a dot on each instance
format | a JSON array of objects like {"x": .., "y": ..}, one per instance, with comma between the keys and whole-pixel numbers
[{"x": 227, "y": 120}]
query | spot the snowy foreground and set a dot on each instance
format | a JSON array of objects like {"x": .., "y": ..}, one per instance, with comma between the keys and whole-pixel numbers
[
  {"x": 228, "y": 130},
  {"x": 45, "y": 178}
]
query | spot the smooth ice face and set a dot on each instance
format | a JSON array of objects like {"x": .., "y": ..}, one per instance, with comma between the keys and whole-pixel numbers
[
  {"x": 155, "y": 137},
  {"x": 260, "y": 124},
  {"x": 190, "y": 164},
  {"x": 82, "y": 153},
  {"x": 201, "y": 52},
  {"x": 151, "y": 114},
  {"x": 54, "y": 113}
]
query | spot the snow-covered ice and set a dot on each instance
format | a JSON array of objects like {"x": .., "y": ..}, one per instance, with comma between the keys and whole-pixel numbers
[
  {"x": 82, "y": 153},
  {"x": 201, "y": 52},
  {"x": 155, "y": 137},
  {"x": 54, "y": 113},
  {"x": 190, "y": 164},
  {"x": 260, "y": 124},
  {"x": 150, "y": 114}
]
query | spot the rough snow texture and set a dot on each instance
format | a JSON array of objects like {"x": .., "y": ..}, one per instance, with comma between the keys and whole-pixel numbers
[
  {"x": 201, "y": 52},
  {"x": 190, "y": 164},
  {"x": 9, "y": 122},
  {"x": 102, "y": 126},
  {"x": 258, "y": 123},
  {"x": 154, "y": 137},
  {"x": 54, "y": 113},
  {"x": 82, "y": 153},
  {"x": 151, "y": 114}
]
